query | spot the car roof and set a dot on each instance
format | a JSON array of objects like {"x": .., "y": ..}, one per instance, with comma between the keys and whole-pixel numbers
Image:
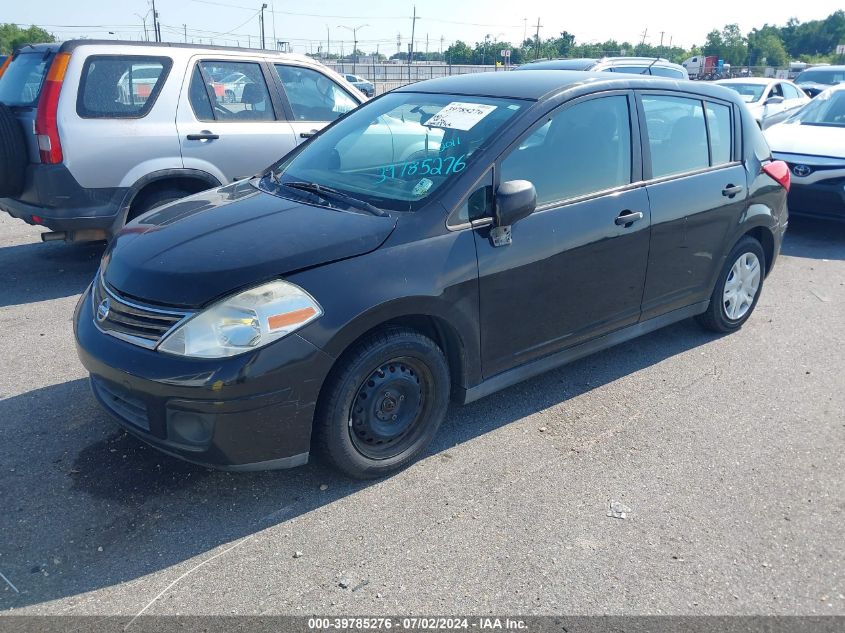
[
  {"x": 542, "y": 84},
  {"x": 70, "y": 45},
  {"x": 581, "y": 63}
]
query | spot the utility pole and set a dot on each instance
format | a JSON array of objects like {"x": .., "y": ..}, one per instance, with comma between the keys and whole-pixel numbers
[
  {"x": 185, "y": 32},
  {"x": 441, "y": 48},
  {"x": 661, "y": 43},
  {"x": 328, "y": 42},
  {"x": 354, "y": 42},
  {"x": 537, "y": 41},
  {"x": 261, "y": 22},
  {"x": 273, "y": 17},
  {"x": 398, "y": 43},
  {"x": 156, "y": 25},
  {"x": 645, "y": 35},
  {"x": 524, "y": 30},
  {"x": 426, "y": 47},
  {"x": 411, "y": 45}
]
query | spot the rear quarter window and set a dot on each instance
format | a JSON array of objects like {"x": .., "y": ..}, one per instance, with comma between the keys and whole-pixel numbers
[{"x": 120, "y": 86}]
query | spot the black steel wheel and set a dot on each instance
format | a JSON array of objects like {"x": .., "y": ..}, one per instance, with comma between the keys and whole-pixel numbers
[{"x": 383, "y": 403}]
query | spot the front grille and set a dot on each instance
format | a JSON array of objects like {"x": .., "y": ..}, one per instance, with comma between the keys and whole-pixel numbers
[
  {"x": 122, "y": 404},
  {"x": 130, "y": 321}
]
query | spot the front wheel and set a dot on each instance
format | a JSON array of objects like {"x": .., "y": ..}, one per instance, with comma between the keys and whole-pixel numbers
[
  {"x": 383, "y": 403},
  {"x": 737, "y": 289}
]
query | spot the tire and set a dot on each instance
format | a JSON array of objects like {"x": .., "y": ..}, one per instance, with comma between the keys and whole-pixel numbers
[
  {"x": 14, "y": 155},
  {"x": 153, "y": 200},
  {"x": 731, "y": 304},
  {"x": 382, "y": 404}
]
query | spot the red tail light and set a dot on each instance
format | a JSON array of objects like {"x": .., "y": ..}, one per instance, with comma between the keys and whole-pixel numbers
[
  {"x": 46, "y": 125},
  {"x": 779, "y": 171}
]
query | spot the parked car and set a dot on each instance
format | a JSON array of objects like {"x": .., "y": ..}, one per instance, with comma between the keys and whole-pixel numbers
[
  {"x": 337, "y": 301},
  {"x": 362, "y": 84},
  {"x": 95, "y": 133},
  {"x": 818, "y": 79},
  {"x": 812, "y": 143},
  {"x": 769, "y": 100},
  {"x": 634, "y": 65}
]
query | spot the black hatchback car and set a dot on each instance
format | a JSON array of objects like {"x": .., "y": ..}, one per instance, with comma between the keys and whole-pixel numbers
[{"x": 445, "y": 240}]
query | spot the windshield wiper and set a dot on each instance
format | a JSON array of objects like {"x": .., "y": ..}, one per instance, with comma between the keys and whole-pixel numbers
[{"x": 327, "y": 193}]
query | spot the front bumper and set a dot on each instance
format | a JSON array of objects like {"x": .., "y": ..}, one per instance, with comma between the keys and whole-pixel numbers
[
  {"x": 824, "y": 198},
  {"x": 248, "y": 412}
]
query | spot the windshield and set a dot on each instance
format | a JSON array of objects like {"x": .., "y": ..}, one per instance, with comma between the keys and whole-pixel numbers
[
  {"x": 821, "y": 76},
  {"x": 21, "y": 83},
  {"x": 826, "y": 109},
  {"x": 396, "y": 151},
  {"x": 749, "y": 92}
]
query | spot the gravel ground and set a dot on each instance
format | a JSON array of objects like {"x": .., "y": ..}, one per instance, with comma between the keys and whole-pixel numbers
[{"x": 726, "y": 450}]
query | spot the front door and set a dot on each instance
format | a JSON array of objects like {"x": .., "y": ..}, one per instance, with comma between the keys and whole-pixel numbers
[
  {"x": 576, "y": 267},
  {"x": 315, "y": 99},
  {"x": 229, "y": 123}
]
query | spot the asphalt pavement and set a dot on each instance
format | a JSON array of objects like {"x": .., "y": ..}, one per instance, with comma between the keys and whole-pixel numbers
[{"x": 725, "y": 451}]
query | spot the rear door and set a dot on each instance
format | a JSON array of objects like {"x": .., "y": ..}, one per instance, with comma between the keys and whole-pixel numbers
[
  {"x": 314, "y": 99},
  {"x": 230, "y": 118},
  {"x": 575, "y": 268},
  {"x": 697, "y": 189},
  {"x": 20, "y": 88}
]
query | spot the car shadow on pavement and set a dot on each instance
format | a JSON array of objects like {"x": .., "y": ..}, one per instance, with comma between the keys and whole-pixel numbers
[
  {"x": 86, "y": 506},
  {"x": 814, "y": 238},
  {"x": 39, "y": 272}
]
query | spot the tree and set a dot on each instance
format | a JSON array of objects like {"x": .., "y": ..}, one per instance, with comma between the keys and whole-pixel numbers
[
  {"x": 13, "y": 37},
  {"x": 765, "y": 47},
  {"x": 459, "y": 53}
]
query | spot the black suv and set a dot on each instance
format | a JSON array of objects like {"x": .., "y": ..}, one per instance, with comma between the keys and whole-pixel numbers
[{"x": 513, "y": 223}]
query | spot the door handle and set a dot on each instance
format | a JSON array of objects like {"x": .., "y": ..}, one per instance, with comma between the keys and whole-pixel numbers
[
  {"x": 731, "y": 190},
  {"x": 203, "y": 136},
  {"x": 307, "y": 134},
  {"x": 627, "y": 218}
]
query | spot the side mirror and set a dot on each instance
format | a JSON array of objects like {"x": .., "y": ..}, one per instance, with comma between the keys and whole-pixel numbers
[
  {"x": 773, "y": 101},
  {"x": 515, "y": 200}
]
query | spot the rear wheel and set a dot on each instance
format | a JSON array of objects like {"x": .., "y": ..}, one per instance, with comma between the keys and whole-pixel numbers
[
  {"x": 383, "y": 403},
  {"x": 737, "y": 289}
]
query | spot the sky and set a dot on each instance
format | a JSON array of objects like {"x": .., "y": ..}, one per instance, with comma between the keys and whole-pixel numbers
[{"x": 308, "y": 25}]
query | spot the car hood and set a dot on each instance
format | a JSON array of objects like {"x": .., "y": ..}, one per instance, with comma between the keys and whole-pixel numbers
[
  {"x": 809, "y": 140},
  {"x": 203, "y": 247}
]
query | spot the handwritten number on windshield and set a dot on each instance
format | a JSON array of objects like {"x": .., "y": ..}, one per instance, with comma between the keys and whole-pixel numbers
[{"x": 427, "y": 167}]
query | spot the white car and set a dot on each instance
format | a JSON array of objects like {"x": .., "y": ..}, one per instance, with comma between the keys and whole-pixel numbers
[
  {"x": 769, "y": 100},
  {"x": 812, "y": 143}
]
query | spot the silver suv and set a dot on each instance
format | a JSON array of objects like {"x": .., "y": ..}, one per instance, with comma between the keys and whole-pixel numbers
[{"x": 94, "y": 133}]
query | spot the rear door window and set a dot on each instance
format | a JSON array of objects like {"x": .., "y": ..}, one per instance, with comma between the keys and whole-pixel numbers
[
  {"x": 22, "y": 80},
  {"x": 677, "y": 135},
  {"x": 120, "y": 87},
  {"x": 312, "y": 95},
  {"x": 230, "y": 91}
]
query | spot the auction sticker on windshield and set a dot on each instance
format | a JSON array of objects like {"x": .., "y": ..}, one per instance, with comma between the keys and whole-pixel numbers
[{"x": 460, "y": 116}]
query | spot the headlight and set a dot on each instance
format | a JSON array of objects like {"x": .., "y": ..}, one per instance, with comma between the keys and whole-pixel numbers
[{"x": 243, "y": 322}]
